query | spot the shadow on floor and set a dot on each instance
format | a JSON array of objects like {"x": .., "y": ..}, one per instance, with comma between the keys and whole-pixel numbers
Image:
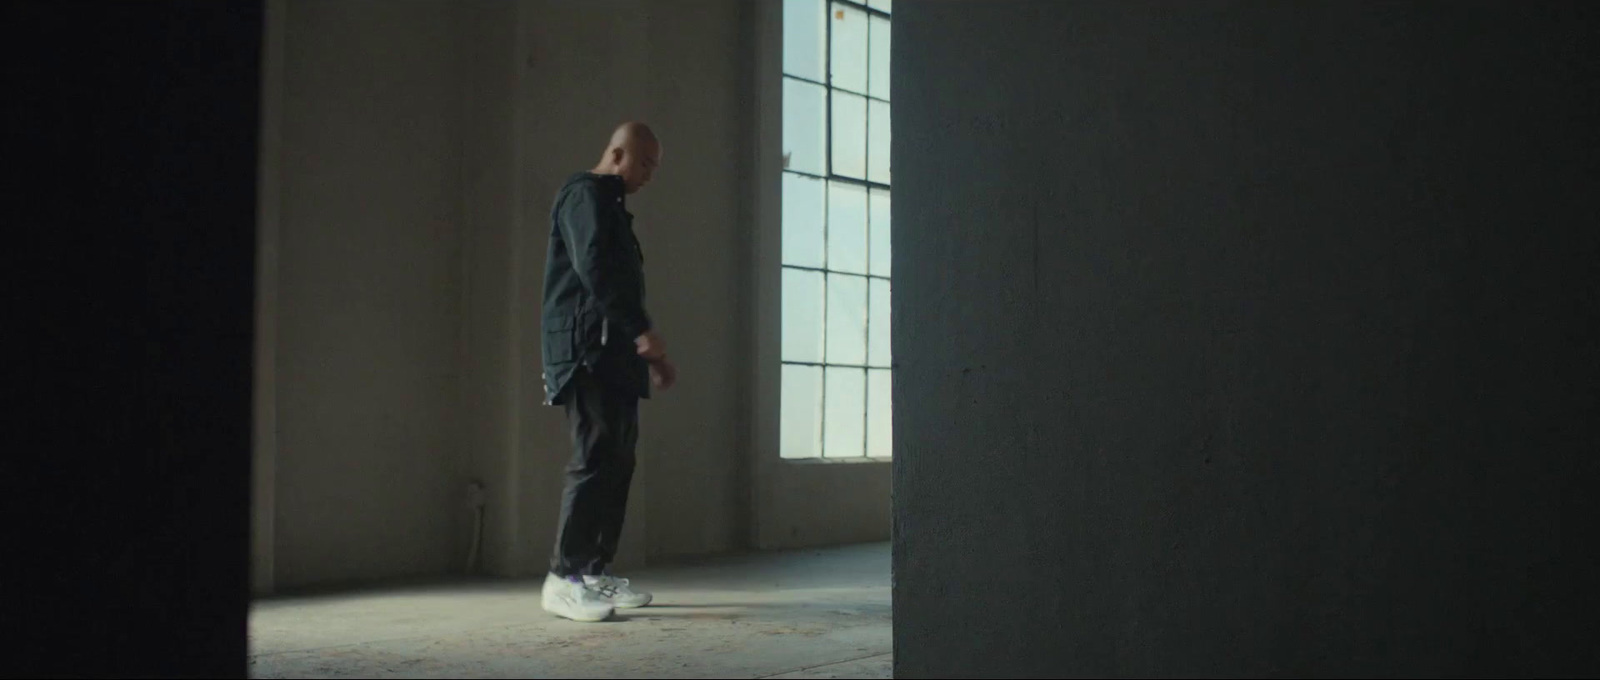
[{"x": 817, "y": 613}]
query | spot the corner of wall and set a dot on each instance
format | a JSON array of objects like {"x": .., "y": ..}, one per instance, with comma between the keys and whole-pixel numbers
[
  {"x": 765, "y": 294},
  {"x": 490, "y": 215},
  {"x": 264, "y": 447}
]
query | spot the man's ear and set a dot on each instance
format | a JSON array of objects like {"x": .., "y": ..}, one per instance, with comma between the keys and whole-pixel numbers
[{"x": 616, "y": 155}]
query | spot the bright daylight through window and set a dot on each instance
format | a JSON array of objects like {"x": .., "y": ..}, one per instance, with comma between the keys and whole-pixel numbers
[{"x": 836, "y": 285}]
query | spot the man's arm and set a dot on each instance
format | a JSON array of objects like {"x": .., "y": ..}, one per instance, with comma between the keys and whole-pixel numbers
[
  {"x": 602, "y": 260},
  {"x": 663, "y": 374}
]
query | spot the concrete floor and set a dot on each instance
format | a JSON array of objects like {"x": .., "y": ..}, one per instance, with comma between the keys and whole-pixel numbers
[{"x": 814, "y": 614}]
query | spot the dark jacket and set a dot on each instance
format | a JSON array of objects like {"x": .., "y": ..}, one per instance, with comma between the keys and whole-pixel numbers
[{"x": 593, "y": 289}]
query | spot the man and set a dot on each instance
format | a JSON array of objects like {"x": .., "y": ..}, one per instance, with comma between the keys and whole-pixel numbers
[{"x": 601, "y": 355}]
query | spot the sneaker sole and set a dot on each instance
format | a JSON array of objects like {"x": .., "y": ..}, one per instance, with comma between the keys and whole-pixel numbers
[
  {"x": 594, "y": 618},
  {"x": 641, "y": 605}
]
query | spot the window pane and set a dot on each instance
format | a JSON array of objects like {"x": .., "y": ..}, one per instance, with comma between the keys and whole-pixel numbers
[
  {"x": 800, "y": 412},
  {"x": 879, "y": 232},
  {"x": 804, "y": 200},
  {"x": 804, "y": 32},
  {"x": 847, "y": 60},
  {"x": 805, "y": 126},
  {"x": 849, "y": 135},
  {"x": 878, "y": 65},
  {"x": 880, "y": 413},
  {"x": 845, "y": 408},
  {"x": 847, "y": 319},
  {"x": 802, "y": 315},
  {"x": 847, "y": 227},
  {"x": 884, "y": 5},
  {"x": 878, "y": 324},
  {"x": 878, "y": 142}
]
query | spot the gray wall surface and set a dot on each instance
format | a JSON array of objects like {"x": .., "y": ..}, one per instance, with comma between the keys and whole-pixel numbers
[
  {"x": 1244, "y": 339},
  {"x": 369, "y": 472}
]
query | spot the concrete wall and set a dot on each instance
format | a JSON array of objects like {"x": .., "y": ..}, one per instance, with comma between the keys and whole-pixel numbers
[
  {"x": 1243, "y": 339},
  {"x": 410, "y": 154},
  {"x": 131, "y": 135},
  {"x": 369, "y": 465},
  {"x": 489, "y": 204}
]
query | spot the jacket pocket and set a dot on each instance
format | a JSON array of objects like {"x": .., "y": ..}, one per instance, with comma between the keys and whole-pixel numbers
[
  {"x": 588, "y": 329},
  {"x": 558, "y": 340}
]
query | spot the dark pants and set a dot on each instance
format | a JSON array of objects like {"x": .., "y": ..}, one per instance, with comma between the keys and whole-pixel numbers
[{"x": 604, "y": 423}]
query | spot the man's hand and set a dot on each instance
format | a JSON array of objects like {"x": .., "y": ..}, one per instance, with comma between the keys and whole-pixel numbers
[
  {"x": 663, "y": 374},
  {"x": 650, "y": 346}
]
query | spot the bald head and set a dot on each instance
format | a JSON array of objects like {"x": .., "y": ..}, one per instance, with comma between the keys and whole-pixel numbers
[
  {"x": 632, "y": 154},
  {"x": 632, "y": 134}
]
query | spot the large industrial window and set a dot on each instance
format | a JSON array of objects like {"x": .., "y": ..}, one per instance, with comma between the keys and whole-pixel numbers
[{"x": 836, "y": 364}]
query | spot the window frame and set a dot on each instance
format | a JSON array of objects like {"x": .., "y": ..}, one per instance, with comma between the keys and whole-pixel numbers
[{"x": 871, "y": 189}]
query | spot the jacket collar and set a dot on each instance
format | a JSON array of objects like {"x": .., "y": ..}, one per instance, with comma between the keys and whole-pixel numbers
[{"x": 613, "y": 185}]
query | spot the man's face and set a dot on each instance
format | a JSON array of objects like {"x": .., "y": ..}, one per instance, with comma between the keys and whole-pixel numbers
[{"x": 639, "y": 165}]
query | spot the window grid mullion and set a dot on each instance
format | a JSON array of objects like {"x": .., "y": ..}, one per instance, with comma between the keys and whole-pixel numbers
[
  {"x": 804, "y": 79},
  {"x": 815, "y": 364},
  {"x": 825, "y": 270},
  {"x": 864, "y": 7},
  {"x": 866, "y": 325},
  {"x": 841, "y": 179},
  {"x": 827, "y": 201}
]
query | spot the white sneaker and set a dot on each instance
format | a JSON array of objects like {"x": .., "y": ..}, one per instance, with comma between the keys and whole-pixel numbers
[
  {"x": 616, "y": 592},
  {"x": 572, "y": 600}
]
